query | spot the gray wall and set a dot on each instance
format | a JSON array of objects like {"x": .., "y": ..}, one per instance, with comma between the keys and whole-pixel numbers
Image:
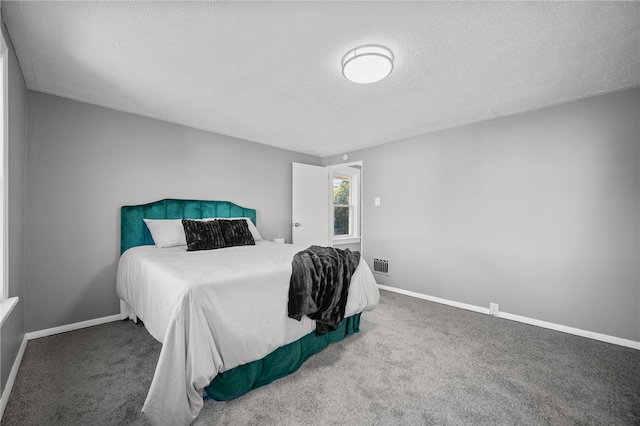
[
  {"x": 538, "y": 212},
  {"x": 13, "y": 329},
  {"x": 84, "y": 162}
]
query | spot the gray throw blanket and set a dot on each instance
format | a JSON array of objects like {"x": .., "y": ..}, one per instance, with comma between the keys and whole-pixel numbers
[{"x": 320, "y": 284}]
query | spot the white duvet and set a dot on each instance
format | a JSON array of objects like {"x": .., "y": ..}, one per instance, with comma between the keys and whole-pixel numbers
[{"x": 215, "y": 310}]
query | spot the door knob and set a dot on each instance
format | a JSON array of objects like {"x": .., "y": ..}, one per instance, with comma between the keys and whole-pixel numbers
[{"x": 296, "y": 224}]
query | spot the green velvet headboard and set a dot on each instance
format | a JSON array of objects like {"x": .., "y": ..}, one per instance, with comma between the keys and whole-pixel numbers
[{"x": 134, "y": 232}]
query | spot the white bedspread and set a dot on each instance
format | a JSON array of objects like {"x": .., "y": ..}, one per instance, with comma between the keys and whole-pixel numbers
[{"x": 215, "y": 310}]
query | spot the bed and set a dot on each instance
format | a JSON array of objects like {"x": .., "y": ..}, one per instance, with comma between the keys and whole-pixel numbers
[{"x": 221, "y": 315}]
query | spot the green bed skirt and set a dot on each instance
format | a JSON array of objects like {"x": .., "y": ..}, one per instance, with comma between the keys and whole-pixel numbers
[{"x": 279, "y": 363}]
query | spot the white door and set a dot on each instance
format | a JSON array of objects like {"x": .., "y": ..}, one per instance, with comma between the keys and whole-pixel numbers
[{"x": 310, "y": 205}]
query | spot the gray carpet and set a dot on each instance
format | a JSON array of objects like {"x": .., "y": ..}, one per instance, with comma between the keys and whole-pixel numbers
[{"x": 413, "y": 363}]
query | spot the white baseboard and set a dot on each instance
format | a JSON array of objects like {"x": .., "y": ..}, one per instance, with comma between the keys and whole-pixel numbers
[
  {"x": 572, "y": 330},
  {"x": 70, "y": 327},
  {"x": 12, "y": 376},
  {"x": 44, "y": 333},
  {"x": 531, "y": 321}
]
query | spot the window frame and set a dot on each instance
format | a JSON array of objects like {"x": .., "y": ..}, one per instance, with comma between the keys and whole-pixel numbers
[
  {"x": 350, "y": 205},
  {"x": 4, "y": 291},
  {"x": 7, "y": 304},
  {"x": 346, "y": 171}
]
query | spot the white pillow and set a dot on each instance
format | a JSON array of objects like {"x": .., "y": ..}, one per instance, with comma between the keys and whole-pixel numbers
[
  {"x": 166, "y": 232},
  {"x": 170, "y": 232},
  {"x": 252, "y": 228}
]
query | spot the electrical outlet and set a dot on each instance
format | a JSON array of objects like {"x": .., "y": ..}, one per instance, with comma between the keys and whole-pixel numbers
[{"x": 493, "y": 309}]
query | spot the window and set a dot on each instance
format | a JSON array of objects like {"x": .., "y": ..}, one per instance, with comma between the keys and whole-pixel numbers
[
  {"x": 346, "y": 215},
  {"x": 4, "y": 291},
  {"x": 342, "y": 206},
  {"x": 6, "y": 303}
]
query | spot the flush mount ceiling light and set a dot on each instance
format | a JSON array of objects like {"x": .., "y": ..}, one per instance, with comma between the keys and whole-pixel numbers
[{"x": 367, "y": 64}]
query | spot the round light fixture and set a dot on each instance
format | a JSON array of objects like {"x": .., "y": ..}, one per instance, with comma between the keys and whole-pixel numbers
[{"x": 367, "y": 64}]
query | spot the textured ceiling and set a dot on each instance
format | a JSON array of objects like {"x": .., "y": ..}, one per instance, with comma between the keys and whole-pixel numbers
[{"x": 270, "y": 72}]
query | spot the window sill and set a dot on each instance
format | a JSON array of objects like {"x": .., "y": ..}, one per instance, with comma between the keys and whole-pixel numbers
[
  {"x": 346, "y": 240},
  {"x": 6, "y": 306}
]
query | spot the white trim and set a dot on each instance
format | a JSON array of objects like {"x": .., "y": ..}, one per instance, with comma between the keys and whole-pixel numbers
[
  {"x": 346, "y": 240},
  {"x": 4, "y": 183},
  {"x": 70, "y": 327},
  {"x": 572, "y": 330},
  {"x": 44, "y": 333},
  {"x": 526, "y": 320},
  {"x": 436, "y": 299},
  {"x": 12, "y": 377},
  {"x": 360, "y": 200},
  {"x": 349, "y": 164},
  {"x": 6, "y": 306}
]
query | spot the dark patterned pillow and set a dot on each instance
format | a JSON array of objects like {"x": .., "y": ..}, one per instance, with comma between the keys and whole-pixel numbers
[
  {"x": 203, "y": 235},
  {"x": 236, "y": 232}
]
